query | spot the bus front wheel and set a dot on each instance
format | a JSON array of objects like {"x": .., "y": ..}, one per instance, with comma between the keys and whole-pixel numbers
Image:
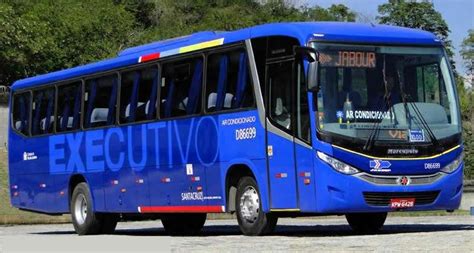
[
  {"x": 252, "y": 220},
  {"x": 366, "y": 223},
  {"x": 84, "y": 220}
]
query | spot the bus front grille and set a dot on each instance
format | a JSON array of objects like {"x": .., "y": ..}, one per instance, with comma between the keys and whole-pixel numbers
[{"x": 384, "y": 198}]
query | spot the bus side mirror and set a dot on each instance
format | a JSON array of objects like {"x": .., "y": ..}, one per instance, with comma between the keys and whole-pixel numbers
[
  {"x": 312, "y": 56},
  {"x": 312, "y": 80}
]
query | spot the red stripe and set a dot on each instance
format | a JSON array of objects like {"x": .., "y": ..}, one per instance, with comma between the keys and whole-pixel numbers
[
  {"x": 150, "y": 57},
  {"x": 181, "y": 209}
]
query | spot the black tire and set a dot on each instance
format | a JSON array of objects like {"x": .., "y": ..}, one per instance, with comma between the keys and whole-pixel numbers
[
  {"x": 258, "y": 223},
  {"x": 89, "y": 223},
  {"x": 179, "y": 224},
  {"x": 366, "y": 223}
]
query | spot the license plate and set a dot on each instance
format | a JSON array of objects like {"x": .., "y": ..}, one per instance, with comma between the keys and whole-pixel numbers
[{"x": 402, "y": 203}]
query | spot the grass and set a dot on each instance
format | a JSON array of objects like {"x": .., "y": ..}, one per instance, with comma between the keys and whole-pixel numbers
[{"x": 10, "y": 215}]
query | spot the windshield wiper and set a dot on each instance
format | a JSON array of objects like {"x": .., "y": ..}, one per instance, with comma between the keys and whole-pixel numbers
[
  {"x": 422, "y": 120},
  {"x": 386, "y": 97}
]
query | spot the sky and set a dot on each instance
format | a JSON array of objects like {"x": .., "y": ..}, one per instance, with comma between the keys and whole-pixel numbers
[{"x": 459, "y": 14}]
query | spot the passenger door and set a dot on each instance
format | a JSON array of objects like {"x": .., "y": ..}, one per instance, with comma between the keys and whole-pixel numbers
[{"x": 280, "y": 140}]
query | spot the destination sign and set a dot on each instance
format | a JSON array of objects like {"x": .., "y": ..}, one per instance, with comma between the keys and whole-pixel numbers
[{"x": 352, "y": 59}]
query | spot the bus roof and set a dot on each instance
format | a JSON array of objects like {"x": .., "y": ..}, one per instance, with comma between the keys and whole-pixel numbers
[{"x": 303, "y": 31}]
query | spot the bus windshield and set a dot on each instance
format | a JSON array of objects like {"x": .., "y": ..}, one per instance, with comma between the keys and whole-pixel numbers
[{"x": 386, "y": 94}]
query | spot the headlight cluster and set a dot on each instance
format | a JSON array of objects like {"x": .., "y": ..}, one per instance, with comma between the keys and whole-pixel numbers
[
  {"x": 337, "y": 165},
  {"x": 452, "y": 166}
]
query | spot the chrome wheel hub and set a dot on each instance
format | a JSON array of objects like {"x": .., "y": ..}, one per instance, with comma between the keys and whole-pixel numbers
[
  {"x": 80, "y": 209},
  {"x": 249, "y": 204}
]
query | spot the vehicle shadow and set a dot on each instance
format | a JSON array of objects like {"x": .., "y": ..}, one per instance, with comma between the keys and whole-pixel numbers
[{"x": 291, "y": 230}]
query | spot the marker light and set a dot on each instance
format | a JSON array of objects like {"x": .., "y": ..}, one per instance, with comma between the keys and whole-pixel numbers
[
  {"x": 337, "y": 165},
  {"x": 454, "y": 165}
]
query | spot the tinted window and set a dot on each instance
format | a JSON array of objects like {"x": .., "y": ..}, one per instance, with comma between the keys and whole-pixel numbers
[
  {"x": 181, "y": 88},
  {"x": 138, "y": 95},
  {"x": 279, "y": 89},
  {"x": 302, "y": 107},
  {"x": 228, "y": 83},
  {"x": 21, "y": 112},
  {"x": 43, "y": 111},
  {"x": 68, "y": 117},
  {"x": 100, "y": 101},
  {"x": 281, "y": 46}
]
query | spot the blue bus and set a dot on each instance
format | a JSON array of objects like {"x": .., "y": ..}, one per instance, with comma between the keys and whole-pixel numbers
[{"x": 276, "y": 120}]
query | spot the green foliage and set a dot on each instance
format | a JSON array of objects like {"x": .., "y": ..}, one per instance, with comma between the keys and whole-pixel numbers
[
  {"x": 467, "y": 51},
  {"x": 416, "y": 14},
  {"x": 40, "y": 36},
  {"x": 161, "y": 19}
]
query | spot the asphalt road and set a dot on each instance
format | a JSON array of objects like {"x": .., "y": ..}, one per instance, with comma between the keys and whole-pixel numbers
[{"x": 420, "y": 234}]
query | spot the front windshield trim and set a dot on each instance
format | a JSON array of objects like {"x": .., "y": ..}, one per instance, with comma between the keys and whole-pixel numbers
[
  {"x": 444, "y": 70},
  {"x": 399, "y": 158}
]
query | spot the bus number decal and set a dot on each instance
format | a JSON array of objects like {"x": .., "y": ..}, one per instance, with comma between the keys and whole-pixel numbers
[{"x": 245, "y": 133}]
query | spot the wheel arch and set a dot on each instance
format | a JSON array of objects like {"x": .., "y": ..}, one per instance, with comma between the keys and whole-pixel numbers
[
  {"x": 234, "y": 173},
  {"x": 74, "y": 180}
]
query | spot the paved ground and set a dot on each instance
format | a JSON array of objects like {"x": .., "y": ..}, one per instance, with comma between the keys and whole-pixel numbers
[
  {"x": 420, "y": 234},
  {"x": 467, "y": 201}
]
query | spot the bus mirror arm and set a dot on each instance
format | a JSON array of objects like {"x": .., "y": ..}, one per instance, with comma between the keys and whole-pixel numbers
[
  {"x": 308, "y": 53},
  {"x": 312, "y": 56}
]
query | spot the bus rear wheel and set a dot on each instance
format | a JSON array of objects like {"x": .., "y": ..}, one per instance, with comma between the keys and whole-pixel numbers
[
  {"x": 183, "y": 223},
  {"x": 366, "y": 223},
  {"x": 84, "y": 220},
  {"x": 252, "y": 220}
]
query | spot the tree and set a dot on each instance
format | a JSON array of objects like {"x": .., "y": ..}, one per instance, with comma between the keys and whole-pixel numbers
[
  {"x": 467, "y": 52},
  {"x": 416, "y": 14},
  {"x": 38, "y": 36},
  {"x": 163, "y": 19}
]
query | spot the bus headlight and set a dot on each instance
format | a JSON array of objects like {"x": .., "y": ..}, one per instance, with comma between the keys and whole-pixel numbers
[
  {"x": 452, "y": 166},
  {"x": 337, "y": 165}
]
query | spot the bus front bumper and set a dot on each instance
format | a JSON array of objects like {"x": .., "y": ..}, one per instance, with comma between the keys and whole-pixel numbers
[{"x": 338, "y": 193}]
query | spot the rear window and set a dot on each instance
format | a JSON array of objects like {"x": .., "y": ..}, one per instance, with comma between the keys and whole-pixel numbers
[{"x": 21, "y": 112}]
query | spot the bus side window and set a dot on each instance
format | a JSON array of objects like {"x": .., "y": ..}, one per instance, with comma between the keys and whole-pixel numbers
[
  {"x": 21, "y": 112},
  {"x": 69, "y": 107},
  {"x": 43, "y": 111},
  {"x": 181, "y": 88},
  {"x": 138, "y": 95},
  {"x": 100, "y": 101},
  {"x": 228, "y": 82}
]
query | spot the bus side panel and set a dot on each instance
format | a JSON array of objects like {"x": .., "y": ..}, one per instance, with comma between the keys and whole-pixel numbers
[
  {"x": 31, "y": 185},
  {"x": 241, "y": 141},
  {"x": 282, "y": 173},
  {"x": 129, "y": 155},
  {"x": 183, "y": 151},
  {"x": 61, "y": 183},
  {"x": 306, "y": 178}
]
